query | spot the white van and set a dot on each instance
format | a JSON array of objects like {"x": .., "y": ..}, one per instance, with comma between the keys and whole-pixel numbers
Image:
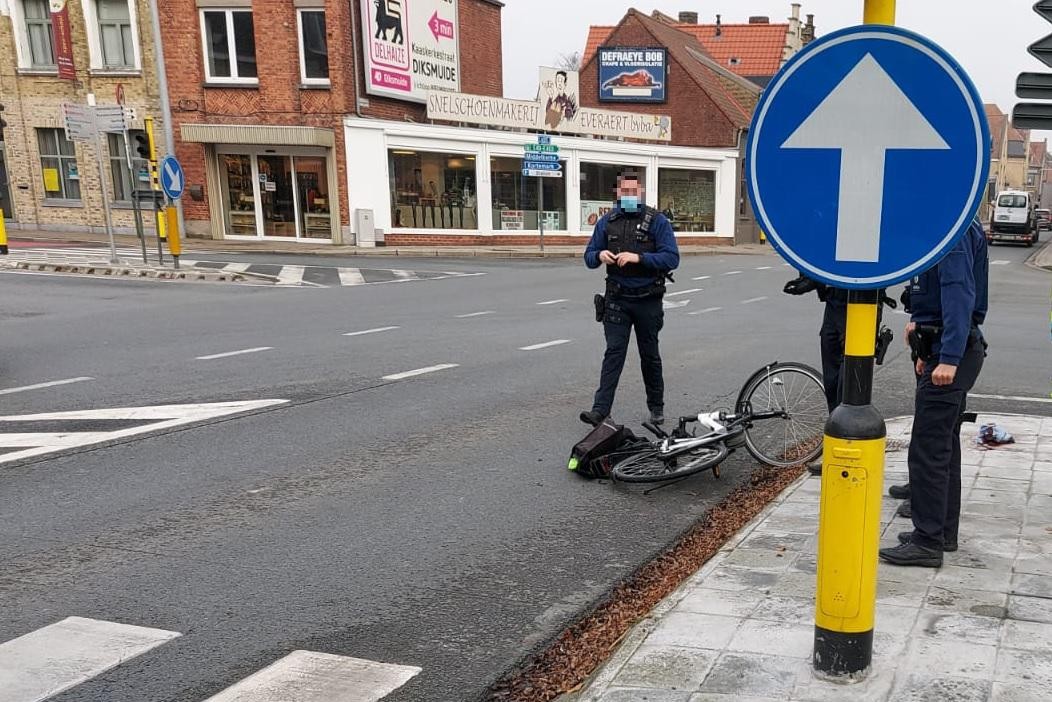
[{"x": 1014, "y": 218}]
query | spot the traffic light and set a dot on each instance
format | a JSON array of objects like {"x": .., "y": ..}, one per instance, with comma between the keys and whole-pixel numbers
[
  {"x": 1036, "y": 86},
  {"x": 142, "y": 146},
  {"x": 3, "y": 123}
]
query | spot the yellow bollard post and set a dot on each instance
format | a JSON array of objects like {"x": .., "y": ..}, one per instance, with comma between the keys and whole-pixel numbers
[
  {"x": 175, "y": 245},
  {"x": 852, "y": 483},
  {"x": 3, "y": 235}
]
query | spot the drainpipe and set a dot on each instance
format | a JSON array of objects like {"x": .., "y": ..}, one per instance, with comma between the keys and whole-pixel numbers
[{"x": 355, "y": 40}]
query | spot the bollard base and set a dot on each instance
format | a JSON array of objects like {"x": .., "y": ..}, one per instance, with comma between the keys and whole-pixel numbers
[{"x": 841, "y": 656}]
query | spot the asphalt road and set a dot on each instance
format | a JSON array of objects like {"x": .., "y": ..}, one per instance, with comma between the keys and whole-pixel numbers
[{"x": 427, "y": 521}]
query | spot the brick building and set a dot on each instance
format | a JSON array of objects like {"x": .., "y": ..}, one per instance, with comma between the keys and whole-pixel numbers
[
  {"x": 261, "y": 92},
  {"x": 47, "y": 180}
]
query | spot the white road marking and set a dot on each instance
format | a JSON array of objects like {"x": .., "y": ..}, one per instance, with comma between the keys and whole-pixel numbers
[
  {"x": 351, "y": 276},
  {"x": 291, "y": 275},
  {"x": 371, "y": 331},
  {"x": 420, "y": 371},
  {"x": 754, "y": 299},
  {"x": 54, "y": 658},
  {"x": 705, "y": 311},
  {"x": 228, "y": 354},
  {"x": 38, "y": 386},
  {"x": 545, "y": 345},
  {"x": 156, "y": 418},
  {"x": 1013, "y": 398},
  {"x": 405, "y": 275},
  {"x": 307, "y": 676},
  {"x": 999, "y": 263},
  {"x": 475, "y": 314},
  {"x": 671, "y": 305},
  {"x": 684, "y": 292},
  {"x": 702, "y": 277},
  {"x": 552, "y": 302},
  {"x": 764, "y": 268},
  {"x": 237, "y": 267},
  {"x": 732, "y": 273}
]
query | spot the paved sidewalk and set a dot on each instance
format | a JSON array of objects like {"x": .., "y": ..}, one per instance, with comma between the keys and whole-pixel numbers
[{"x": 979, "y": 628}]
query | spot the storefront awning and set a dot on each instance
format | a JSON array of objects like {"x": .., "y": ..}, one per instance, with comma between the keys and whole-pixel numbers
[{"x": 257, "y": 134}]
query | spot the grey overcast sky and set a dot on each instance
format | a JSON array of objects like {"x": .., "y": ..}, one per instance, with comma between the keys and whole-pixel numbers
[{"x": 988, "y": 37}]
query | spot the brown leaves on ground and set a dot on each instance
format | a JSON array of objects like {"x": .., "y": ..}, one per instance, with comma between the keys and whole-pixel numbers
[{"x": 584, "y": 646}]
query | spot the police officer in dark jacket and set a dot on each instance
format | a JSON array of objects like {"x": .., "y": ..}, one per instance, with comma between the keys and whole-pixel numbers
[
  {"x": 948, "y": 305},
  {"x": 638, "y": 247}
]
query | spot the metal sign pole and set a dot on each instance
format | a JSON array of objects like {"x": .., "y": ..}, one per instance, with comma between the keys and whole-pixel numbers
[
  {"x": 105, "y": 197},
  {"x": 540, "y": 210}
]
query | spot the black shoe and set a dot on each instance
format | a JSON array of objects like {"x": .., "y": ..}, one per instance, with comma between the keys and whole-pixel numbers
[
  {"x": 657, "y": 417},
  {"x": 815, "y": 468},
  {"x": 905, "y": 510},
  {"x": 593, "y": 417},
  {"x": 906, "y": 537},
  {"x": 912, "y": 555},
  {"x": 900, "y": 492}
]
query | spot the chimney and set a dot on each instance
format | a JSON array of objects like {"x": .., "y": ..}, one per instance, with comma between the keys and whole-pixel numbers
[
  {"x": 796, "y": 11},
  {"x": 688, "y": 17},
  {"x": 759, "y": 19},
  {"x": 807, "y": 34},
  {"x": 719, "y": 26}
]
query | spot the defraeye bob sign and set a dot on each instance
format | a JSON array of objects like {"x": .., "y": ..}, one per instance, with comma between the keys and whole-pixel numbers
[
  {"x": 410, "y": 47},
  {"x": 632, "y": 75}
]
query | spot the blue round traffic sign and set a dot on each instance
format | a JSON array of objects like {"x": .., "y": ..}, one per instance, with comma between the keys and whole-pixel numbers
[
  {"x": 868, "y": 157},
  {"x": 173, "y": 181}
]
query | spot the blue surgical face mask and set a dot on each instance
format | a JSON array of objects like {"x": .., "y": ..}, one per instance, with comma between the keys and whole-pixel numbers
[{"x": 629, "y": 203}]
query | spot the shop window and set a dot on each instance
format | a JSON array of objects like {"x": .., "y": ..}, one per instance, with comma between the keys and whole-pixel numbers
[
  {"x": 236, "y": 170},
  {"x": 230, "y": 46},
  {"x": 58, "y": 165},
  {"x": 125, "y": 182},
  {"x": 598, "y": 189},
  {"x": 40, "y": 37},
  {"x": 314, "y": 49},
  {"x": 432, "y": 190},
  {"x": 313, "y": 183},
  {"x": 516, "y": 198},
  {"x": 688, "y": 199},
  {"x": 115, "y": 34}
]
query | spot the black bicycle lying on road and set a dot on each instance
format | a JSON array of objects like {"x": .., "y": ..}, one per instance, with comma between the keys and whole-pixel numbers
[{"x": 779, "y": 417}]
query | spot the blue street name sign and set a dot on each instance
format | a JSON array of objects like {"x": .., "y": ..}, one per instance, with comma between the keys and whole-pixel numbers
[
  {"x": 868, "y": 157},
  {"x": 541, "y": 158},
  {"x": 541, "y": 166},
  {"x": 173, "y": 182}
]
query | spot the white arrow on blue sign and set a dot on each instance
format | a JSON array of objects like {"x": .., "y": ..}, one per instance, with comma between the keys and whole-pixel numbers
[
  {"x": 868, "y": 157},
  {"x": 173, "y": 181}
]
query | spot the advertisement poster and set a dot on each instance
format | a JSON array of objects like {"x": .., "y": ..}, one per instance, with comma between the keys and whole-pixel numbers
[
  {"x": 411, "y": 47},
  {"x": 593, "y": 210},
  {"x": 512, "y": 220},
  {"x": 632, "y": 75},
  {"x": 558, "y": 92},
  {"x": 63, "y": 40}
]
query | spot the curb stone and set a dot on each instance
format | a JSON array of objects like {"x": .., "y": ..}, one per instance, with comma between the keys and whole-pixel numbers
[{"x": 119, "y": 271}]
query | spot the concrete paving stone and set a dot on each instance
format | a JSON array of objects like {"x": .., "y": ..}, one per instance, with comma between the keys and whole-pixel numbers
[
  {"x": 1007, "y": 465},
  {"x": 975, "y": 558},
  {"x": 928, "y": 688},
  {"x": 980, "y": 603},
  {"x": 1030, "y": 636},
  {"x": 774, "y": 638},
  {"x": 1008, "y": 500},
  {"x": 1029, "y": 548},
  {"x": 1032, "y": 609},
  {"x": 1001, "y": 484},
  {"x": 1037, "y": 533},
  {"x": 1031, "y": 585},
  {"x": 790, "y": 524},
  {"x": 1041, "y": 484},
  {"x": 953, "y": 626},
  {"x": 728, "y": 603},
  {"x": 755, "y": 674},
  {"x": 956, "y": 577},
  {"x": 898, "y": 574},
  {"x": 789, "y": 610},
  {"x": 805, "y": 563},
  {"x": 895, "y": 619},
  {"x": 1035, "y": 565},
  {"x": 984, "y": 509},
  {"x": 691, "y": 630},
  {"x": 1040, "y": 503},
  {"x": 1000, "y": 547},
  {"x": 776, "y": 542},
  {"x": 759, "y": 559},
  {"x": 635, "y": 694},
  {"x": 1018, "y": 692},
  {"x": 793, "y": 584},
  {"x": 1043, "y": 466},
  {"x": 992, "y": 527},
  {"x": 950, "y": 657},
  {"x": 900, "y": 594},
  {"x": 728, "y": 578},
  {"x": 714, "y": 697},
  {"x": 666, "y": 668},
  {"x": 805, "y": 510},
  {"x": 875, "y": 688},
  {"x": 1016, "y": 666}
]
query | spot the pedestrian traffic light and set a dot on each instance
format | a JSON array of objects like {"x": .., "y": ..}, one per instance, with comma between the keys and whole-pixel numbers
[
  {"x": 1036, "y": 86},
  {"x": 142, "y": 146}
]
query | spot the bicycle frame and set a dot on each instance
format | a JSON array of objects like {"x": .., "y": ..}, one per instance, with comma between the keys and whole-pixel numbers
[{"x": 734, "y": 425}]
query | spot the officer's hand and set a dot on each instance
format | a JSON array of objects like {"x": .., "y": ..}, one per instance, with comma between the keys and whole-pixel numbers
[
  {"x": 607, "y": 258},
  {"x": 943, "y": 374},
  {"x": 910, "y": 326},
  {"x": 919, "y": 366},
  {"x": 626, "y": 257}
]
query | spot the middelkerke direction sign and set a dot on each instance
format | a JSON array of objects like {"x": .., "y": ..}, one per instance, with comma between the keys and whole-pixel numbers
[{"x": 868, "y": 157}]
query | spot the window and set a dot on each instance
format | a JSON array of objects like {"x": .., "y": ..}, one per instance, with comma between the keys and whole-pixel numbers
[
  {"x": 515, "y": 201},
  {"x": 432, "y": 190},
  {"x": 598, "y": 186},
  {"x": 39, "y": 34},
  {"x": 1011, "y": 201},
  {"x": 688, "y": 199},
  {"x": 58, "y": 165},
  {"x": 115, "y": 34},
  {"x": 230, "y": 46},
  {"x": 314, "y": 48},
  {"x": 124, "y": 183}
]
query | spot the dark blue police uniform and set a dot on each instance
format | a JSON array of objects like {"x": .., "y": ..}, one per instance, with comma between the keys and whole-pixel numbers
[
  {"x": 951, "y": 301},
  {"x": 633, "y": 298}
]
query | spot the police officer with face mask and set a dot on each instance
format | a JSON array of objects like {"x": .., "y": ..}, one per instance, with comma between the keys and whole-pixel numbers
[
  {"x": 638, "y": 247},
  {"x": 947, "y": 303}
]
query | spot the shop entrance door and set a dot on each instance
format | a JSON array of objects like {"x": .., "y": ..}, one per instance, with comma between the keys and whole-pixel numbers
[{"x": 278, "y": 196}]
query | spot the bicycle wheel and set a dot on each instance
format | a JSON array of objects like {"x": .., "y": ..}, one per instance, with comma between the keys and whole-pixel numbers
[
  {"x": 795, "y": 389},
  {"x": 652, "y": 467}
]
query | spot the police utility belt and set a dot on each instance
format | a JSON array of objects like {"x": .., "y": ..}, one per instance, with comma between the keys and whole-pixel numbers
[{"x": 924, "y": 337}]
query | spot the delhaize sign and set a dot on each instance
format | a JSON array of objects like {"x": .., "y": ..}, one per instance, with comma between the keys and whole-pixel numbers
[{"x": 411, "y": 47}]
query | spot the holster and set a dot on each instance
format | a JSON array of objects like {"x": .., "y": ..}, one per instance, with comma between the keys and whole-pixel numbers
[
  {"x": 922, "y": 340},
  {"x": 600, "y": 307}
]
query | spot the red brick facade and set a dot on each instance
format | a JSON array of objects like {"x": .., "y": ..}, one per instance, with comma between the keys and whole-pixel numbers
[{"x": 279, "y": 98}]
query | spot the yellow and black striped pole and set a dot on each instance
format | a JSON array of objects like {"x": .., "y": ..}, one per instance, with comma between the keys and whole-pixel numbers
[{"x": 852, "y": 483}]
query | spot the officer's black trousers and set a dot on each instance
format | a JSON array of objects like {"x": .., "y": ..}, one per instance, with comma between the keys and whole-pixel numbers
[
  {"x": 646, "y": 316},
  {"x": 935, "y": 450},
  {"x": 833, "y": 334}
]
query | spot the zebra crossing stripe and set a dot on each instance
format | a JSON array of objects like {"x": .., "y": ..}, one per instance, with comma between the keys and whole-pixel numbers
[
  {"x": 350, "y": 276},
  {"x": 291, "y": 275},
  {"x": 306, "y": 676},
  {"x": 54, "y": 658}
]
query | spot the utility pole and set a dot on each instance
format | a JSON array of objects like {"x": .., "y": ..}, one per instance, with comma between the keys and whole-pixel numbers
[{"x": 162, "y": 85}]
